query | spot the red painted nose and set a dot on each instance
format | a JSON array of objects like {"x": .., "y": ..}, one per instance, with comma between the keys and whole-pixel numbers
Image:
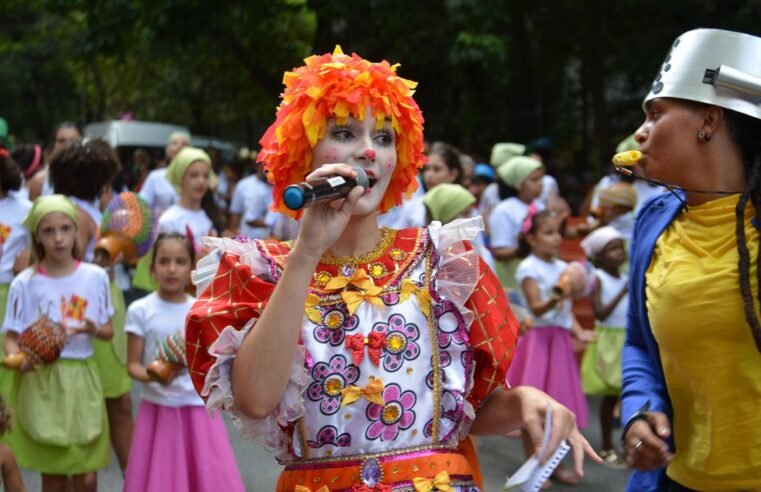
[{"x": 370, "y": 154}]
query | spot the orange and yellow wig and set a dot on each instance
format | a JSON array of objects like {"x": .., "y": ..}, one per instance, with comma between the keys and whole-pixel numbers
[{"x": 338, "y": 86}]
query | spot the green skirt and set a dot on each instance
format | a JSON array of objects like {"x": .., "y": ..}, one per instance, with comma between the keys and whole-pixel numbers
[
  {"x": 60, "y": 425},
  {"x": 143, "y": 278},
  {"x": 505, "y": 271},
  {"x": 3, "y": 300},
  {"x": 111, "y": 357},
  {"x": 601, "y": 365}
]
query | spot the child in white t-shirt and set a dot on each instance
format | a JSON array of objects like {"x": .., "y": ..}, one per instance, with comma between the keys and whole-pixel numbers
[
  {"x": 248, "y": 209},
  {"x": 62, "y": 427},
  {"x": 601, "y": 366},
  {"x": 174, "y": 435},
  {"x": 520, "y": 177},
  {"x": 544, "y": 357},
  {"x": 195, "y": 214}
]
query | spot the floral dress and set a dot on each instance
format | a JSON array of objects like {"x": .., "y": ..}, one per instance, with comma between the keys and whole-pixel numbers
[{"x": 398, "y": 349}]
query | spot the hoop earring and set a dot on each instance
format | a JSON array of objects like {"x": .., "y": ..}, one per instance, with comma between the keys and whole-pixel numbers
[{"x": 704, "y": 136}]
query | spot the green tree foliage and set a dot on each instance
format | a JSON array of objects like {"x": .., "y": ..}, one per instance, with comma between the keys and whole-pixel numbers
[{"x": 489, "y": 70}]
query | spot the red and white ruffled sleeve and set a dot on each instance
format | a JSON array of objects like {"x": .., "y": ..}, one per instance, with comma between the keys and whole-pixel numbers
[
  {"x": 470, "y": 283},
  {"x": 235, "y": 282}
]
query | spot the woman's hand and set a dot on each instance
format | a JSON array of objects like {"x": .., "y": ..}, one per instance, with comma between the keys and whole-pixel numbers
[
  {"x": 526, "y": 407},
  {"x": 323, "y": 224},
  {"x": 645, "y": 442},
  {"x": 533, "y": 411}
]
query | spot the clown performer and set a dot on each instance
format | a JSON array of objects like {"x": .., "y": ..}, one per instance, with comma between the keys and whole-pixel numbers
[
  {"x": 361, "y": 356},
  {"x": 691, "y": 395}
]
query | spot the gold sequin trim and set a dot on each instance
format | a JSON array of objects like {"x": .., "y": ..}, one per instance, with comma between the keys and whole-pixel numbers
[
  {"x": 387, "y": 237},
  {"x": 321, "y": 279},
  {"x": 436, "y": 354},
  {"x": 362, "y": 457},
  {"x": 377, "y": 270},
  {"x": 397, "y": 254}
]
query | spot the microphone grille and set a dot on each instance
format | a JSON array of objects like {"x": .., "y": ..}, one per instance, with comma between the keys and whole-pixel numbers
[{"x": 362, "y": 179}]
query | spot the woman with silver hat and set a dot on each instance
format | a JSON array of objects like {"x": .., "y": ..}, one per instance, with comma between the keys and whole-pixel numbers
[{"x": 692, "y": 360}]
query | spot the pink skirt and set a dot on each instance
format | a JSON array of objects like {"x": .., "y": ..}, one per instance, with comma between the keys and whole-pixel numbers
[
  {"x": 180, "y": 449},
  {"x": 544, "y": 359}
]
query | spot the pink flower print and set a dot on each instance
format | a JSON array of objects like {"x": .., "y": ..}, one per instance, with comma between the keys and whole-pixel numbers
[
  {"x": 390, "y": 299},
  {"x": 396, "y": 414},
  {"x": 335, "y": 323},
  {"x": 329, "y": 379},
  {"x": 451, "y": 404},
  {"x": 446, "y": 359},
  {"x": 328, "y": 436},
  {"x": 451, "y": 325},
  {"x": 428, "y": 429},
  {"x": 400, "y": 341}
]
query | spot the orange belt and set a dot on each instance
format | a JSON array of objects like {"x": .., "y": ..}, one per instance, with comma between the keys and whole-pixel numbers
[{"x": 431, "y": 467}]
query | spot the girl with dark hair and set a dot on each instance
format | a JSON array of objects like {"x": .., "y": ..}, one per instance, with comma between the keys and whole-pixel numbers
[
  {"x": 443, "y": 166},
  {"x": 691, "y": 361},
  {"x": 177, "y": 445},
  {"x": 544, "y": 358},
  {"x": 195, "y": 214}
]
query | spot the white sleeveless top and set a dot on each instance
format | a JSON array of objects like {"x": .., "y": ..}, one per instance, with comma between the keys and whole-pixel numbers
[{"x": 609, "y": 288}]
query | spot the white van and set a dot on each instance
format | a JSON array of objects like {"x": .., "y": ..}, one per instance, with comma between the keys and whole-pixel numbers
[{"x": 139, "y": 145}]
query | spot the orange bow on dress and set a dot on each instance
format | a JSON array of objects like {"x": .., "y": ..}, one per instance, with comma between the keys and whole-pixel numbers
[
  {"x": 373, "y": 392},
  {"x": 423, "y": 295},
  {"x": 439, "y": 482},
  {"x": 367, "y": 290},
  {"x": 301, "y": 488},
  {"x": 375, "y": 342},
  {"x": 310, "y": 307}
]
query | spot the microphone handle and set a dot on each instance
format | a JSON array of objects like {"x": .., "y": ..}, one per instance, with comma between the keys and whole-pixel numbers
[{"x": 326, "y": 189}]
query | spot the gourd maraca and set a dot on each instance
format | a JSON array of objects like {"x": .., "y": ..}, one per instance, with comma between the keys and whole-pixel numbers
[{"x": 170, "y": 358}]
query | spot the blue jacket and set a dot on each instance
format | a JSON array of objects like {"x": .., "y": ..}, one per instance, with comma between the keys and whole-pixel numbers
[{"x": 643, "y": 378}]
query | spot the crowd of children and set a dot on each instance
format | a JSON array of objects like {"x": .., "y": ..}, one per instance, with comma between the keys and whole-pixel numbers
[{"x": 526, "y": 223}]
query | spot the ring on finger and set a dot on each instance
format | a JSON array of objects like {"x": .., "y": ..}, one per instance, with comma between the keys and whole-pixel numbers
[{"x": 637, "y": 445}]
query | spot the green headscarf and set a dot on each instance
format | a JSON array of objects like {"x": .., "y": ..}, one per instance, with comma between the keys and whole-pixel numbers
[
  {"x": 515, "y": 171},
  {"x": 47, "y": 204},
  {"x": 182, "y": 161},
  {"x": 446, "y": 201},
  {"x": 503, "y": 152}
]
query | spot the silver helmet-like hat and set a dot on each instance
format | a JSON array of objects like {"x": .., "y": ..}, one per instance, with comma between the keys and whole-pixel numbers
[{"x": 713, "y": 66}]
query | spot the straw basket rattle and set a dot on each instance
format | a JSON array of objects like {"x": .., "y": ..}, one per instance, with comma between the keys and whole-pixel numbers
[
  {"x": 170, "y": 359},
  {"x": 42, "y": 342}
]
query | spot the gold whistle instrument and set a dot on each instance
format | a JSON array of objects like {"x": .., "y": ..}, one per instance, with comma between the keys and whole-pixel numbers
[{"x": 628, "y": 158}]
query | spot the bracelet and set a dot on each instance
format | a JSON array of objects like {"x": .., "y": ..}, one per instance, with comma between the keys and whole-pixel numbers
[{"x": 640, "y": 414}]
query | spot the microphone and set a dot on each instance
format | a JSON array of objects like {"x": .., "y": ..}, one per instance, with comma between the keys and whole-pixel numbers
[{"x": 319, "y": 190}]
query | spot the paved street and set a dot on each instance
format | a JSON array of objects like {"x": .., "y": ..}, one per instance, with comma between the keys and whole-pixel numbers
[{"x": 499, "y": 456}]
